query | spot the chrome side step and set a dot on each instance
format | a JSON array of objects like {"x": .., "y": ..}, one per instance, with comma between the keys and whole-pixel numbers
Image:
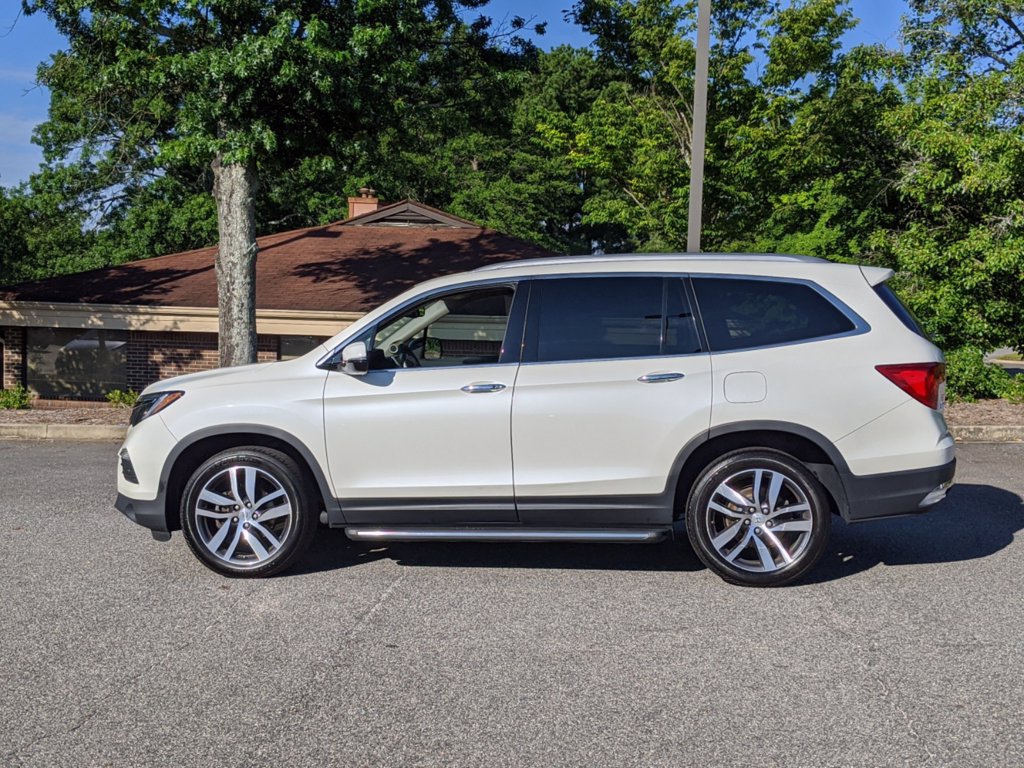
[{"x": 508, "y": 533}]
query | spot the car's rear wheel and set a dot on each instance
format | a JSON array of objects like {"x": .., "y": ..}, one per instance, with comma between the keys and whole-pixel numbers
[
  {"x": 248, "y": 512},
  {"x": 758, "y": 518}
]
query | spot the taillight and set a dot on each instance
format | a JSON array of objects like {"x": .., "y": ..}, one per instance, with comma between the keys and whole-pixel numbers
[{"x": 922, "y": 381}]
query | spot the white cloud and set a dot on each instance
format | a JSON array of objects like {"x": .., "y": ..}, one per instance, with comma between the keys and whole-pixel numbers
[{"x": 25, "y": 76}]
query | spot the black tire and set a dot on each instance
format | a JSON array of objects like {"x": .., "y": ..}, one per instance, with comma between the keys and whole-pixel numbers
[
  {"x": 768, "y": 544},
  {"x": 221, "y": 523}
]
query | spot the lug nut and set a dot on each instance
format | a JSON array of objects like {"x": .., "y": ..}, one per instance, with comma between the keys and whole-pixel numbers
[
  {"x": 756, "y": 530},
  {"x": 769, "y": 524},
  {"x": 746, "y": 522},
  {"x": 255, "y": 515},
  {"x": 234, "y": 519},
  {"x": 237, "y": 507},
  {"x": 245, "y": 525}
]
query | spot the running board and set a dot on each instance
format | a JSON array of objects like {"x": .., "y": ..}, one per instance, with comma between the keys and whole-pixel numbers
[{"x": 509, "y": 533}]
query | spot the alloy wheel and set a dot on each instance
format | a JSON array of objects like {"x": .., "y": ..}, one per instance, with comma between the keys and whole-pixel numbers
[
  {"x": 243, "y": 516},
  {"x": 759, "y": 520}
]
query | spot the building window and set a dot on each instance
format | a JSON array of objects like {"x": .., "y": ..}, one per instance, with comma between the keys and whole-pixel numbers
[
  {"x": 296, "y": 346},
  {"x": 72, "y": 363}
]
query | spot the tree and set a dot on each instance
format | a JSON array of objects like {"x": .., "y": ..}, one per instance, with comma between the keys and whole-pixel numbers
[
  {"x": 13, "y": 226},
  {"x": 246, "y": 88},
  {"x": 958, "y": 136},
  {"x": 40, "y": 233},
  {"x": 787, "y": 164}
]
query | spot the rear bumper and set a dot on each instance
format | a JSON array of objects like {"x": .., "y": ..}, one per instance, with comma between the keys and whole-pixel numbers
[
  {"x": 149, "y": 514},
  {"x": 870, "y": 497}
]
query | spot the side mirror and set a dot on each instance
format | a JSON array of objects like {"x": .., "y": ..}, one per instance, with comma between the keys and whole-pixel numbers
[{"x": 354, "y": 359}]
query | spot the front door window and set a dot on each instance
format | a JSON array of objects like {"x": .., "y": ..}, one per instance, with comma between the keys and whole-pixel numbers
[{"x": 456, "y": 329}]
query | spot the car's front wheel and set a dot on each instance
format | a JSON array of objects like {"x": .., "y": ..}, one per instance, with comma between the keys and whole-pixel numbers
[
  {"x": 758, "y": 518},
  {"x": 248, "y": 512}
]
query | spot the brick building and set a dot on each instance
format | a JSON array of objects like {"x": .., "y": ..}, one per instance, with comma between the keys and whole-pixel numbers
[{"x": 81, "y": 336}]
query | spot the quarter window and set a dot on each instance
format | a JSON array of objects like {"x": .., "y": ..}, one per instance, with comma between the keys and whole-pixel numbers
[
  {"x": 743, "y": 313},
  {"x": 599, "y": 318}
]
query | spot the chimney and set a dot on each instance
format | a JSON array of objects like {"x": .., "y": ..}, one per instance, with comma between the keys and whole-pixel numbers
[{"x": 365, "y": 203}]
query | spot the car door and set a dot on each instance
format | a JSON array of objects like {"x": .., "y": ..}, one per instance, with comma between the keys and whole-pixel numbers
[
  {"x": 424, "y": 435},
  {"x": 614, "y": 383}
]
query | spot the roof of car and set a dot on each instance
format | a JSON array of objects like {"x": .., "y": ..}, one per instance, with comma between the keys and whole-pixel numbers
[{"x": 605, "y": 259}]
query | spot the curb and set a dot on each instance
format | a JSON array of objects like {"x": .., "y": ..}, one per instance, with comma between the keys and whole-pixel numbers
[
  {"x": 962, "y": 434},
  {"x": 63, "y": 431},
  {"x": 988, "y": 434}
]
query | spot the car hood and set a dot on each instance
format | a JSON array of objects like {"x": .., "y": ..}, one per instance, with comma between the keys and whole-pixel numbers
[{"x": 216, "y": 377}]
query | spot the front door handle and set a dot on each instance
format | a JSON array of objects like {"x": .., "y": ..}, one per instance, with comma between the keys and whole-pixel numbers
[
  {"x": 654, "y": 378},
  {"x": 483, "y": 386}
]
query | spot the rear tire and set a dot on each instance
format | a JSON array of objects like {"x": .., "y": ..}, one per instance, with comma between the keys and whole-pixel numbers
[
  {"x": 758, "y": 518},
  {"x": 248, "y": 512}
]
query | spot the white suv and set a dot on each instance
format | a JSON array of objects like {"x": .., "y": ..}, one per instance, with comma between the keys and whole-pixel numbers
[{"x": 598, "y": 398}]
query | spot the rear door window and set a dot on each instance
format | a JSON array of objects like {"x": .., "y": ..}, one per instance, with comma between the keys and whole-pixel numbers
[
  {"x": 601, "y": 318},
  {"x": 740, "y": 313}
]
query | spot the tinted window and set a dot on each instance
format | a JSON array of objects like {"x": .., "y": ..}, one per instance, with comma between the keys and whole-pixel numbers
[
  {"x": 680, "y": 327},
  {"x": 465, "y": 328},
  {"x": 73, "y": 363},
  {"x": 885, "y": 293},
  {"x": 740, "y": 313},
  {"x": 597, "y": 318},
  {"x": 296, "y": 346}
]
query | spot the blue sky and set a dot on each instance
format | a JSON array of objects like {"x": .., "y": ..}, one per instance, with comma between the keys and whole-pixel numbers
[{"x": 25, "y": 41}]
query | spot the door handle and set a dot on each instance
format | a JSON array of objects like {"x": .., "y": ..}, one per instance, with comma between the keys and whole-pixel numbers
[
  {"x": 483, "y": 386},
  {"x": 654, "y": 378}
]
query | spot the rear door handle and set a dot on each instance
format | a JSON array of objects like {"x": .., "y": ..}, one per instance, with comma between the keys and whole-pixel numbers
[
  {"x": 483, "y": 386},
  {"x": 654, "y": 378}
]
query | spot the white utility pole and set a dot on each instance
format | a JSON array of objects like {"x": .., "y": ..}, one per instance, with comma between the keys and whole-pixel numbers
[{"x": 700, "y": 119}]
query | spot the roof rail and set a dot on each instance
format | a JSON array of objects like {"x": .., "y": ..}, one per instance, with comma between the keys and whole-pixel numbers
[{"x": 596, "y": 258}]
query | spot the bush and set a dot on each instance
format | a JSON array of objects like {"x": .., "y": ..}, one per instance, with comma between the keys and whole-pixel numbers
[
  {"x": 970, "y": 378},
  {"x": 17, "y": 398},
  {"x": 122, "y": 399},
  {"x": 1014, "y": 389}
]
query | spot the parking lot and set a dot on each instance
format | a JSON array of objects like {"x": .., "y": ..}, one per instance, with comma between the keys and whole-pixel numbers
[{"x": 905, "y": 648}]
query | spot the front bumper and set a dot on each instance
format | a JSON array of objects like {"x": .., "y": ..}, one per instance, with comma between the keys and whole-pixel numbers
[
  {"x": 870, "y": 497},
  {"x": 149, "y": 514}
]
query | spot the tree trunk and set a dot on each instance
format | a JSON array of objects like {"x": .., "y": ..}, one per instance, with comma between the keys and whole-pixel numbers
[{"x": 234, "y": 187}]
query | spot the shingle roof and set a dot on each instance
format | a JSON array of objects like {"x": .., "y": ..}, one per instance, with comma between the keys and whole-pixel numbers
[{"x": 350, "y": 265}]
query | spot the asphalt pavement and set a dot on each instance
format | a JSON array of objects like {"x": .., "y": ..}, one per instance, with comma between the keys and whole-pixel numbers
[{"x": 904, "y": 648}]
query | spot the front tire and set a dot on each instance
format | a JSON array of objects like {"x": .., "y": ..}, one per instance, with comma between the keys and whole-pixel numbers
[
  {"x": 248, "y": 512},
  {"x": 758, "y": 518}
]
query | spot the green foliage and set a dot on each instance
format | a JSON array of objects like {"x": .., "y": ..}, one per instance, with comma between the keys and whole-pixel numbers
[
  {"x": 970, "y": 378},
  {"x": 122, "y": 399},
  {"x": 958, "y": 243},
  {"x": 313, "y": 95},
  {"x": 16, "y": 398},
  {"x": 911, "y": 159},
  {"x": 14, "y": 224},
  {"x": 1014, "y": 389}
]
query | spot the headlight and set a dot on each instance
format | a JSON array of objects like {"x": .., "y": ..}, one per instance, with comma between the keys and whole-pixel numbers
[{"x": 147, "y": 405}]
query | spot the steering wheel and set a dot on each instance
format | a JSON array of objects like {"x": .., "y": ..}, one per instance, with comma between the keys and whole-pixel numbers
[{"x": 405, "y": 353}]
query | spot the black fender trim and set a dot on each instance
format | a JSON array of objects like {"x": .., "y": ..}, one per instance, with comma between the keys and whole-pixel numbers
[
  {"x": 835, "y": 457},
  {"x": 830, "y": 475},
  {"x": 334, "y": 514}
]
